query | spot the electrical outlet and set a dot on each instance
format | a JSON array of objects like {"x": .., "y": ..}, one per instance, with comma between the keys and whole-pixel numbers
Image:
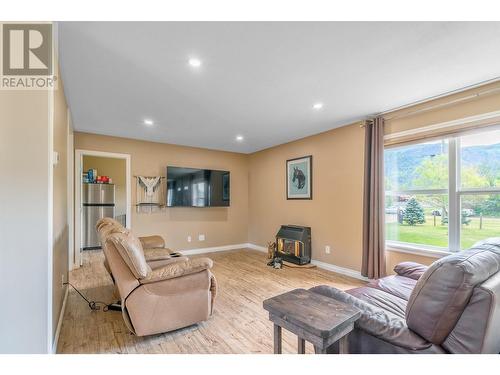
[
  {"x": 201, "y": 237},
  {"x": 189, "y": 238},
  {"x": 62, "y": 281},
  {"x": 327, "y": 249}
]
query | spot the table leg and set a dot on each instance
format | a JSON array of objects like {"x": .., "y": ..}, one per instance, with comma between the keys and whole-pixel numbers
[
  {"x": 277, "y": 339},
  {"x": 344, "y": 345},
  {"x": 301, "y": 346}
]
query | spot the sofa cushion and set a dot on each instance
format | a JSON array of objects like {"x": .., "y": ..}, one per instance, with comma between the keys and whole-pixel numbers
[
  {"x": 477, "y": 329},
  {"x": 130, "y": 249},
  {"x": 412, "y": 270},
  {"x": 380, "y": 299},
  {"x": 178, "y": 267},
  {"x": 107, "y": 221},
  {"x": 396, "y": 285},
  {"x": 151, "y": 242},
  {"x": 362, "y": 342},
  {"x": 377, "y": 321},
  {"x": 157, "y": 253},
  {"x": 107, "y": 229},
  {"x": 106, "y": 226},
  {"x": 442, "y": 293}
]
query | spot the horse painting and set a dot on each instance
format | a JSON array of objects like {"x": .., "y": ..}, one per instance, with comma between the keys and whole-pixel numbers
[{"x": 298, "y": 176}]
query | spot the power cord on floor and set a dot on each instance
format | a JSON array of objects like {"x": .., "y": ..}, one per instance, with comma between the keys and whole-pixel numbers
[{"x": 93, "y": 305}]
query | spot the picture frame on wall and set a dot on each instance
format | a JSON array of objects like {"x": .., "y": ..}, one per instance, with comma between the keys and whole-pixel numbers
[{"x": 299, "y": 178}]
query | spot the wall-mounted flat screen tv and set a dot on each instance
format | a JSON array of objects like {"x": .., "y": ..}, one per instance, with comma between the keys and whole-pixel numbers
[{"x": 190, "y": 187}]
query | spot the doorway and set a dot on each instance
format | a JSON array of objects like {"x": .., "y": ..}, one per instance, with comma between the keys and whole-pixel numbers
[{"x": 102, "y": 189}]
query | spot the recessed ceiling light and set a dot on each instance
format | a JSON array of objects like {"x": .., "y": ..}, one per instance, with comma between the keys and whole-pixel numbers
[
  {"x": 239, "y": 138},
  {"x": 317, "y": 106},
  {"x": 195, "y": 63},
  {"x": 148, "y": 122}
]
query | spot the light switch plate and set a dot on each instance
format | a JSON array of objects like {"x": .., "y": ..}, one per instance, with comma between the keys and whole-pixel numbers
[{"x": 55, "y": 158}]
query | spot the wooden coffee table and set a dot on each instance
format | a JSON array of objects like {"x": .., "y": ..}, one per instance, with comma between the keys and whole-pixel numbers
[{"x": 313, "y": 317}]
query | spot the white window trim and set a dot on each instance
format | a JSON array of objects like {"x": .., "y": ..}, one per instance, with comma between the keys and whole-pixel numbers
[
  {"x": 455, "y": 193},
  {"x": 417, "y": 192},
  {"x": 479, "y": 191},
  {"x": 454, "y": 216},
  {"x": 414, "y": 249}
]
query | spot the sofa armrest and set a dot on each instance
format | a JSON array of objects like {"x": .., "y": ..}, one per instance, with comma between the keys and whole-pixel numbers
[
  {"x": 177, "y": 268},
  {"x": 411, "y": 270},
  {"x": 157, "y": 253},
  {"x": 149, "y": 242},
  {"x": 378, "y": 322}
]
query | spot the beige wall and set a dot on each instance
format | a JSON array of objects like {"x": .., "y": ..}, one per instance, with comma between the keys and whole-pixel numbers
[
  {"x": 60, "y": 204},
  {"x": 32, "y": 125},
  {"x": 335, "y": 212},
  {"x": 115, "y": 169},
  {"x": 24, "y": 221},
  {"x": 393, "y": 258},
  {"x": 221, "y": 226}
]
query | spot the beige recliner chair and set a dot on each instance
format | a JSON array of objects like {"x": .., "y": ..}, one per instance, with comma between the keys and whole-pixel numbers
[
  {"x": 153, "y": 246},
  {"x": 160, "y": 295}
]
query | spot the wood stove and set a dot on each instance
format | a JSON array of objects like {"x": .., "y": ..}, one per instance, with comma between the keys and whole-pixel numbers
[{"x": 293, "y": 244}]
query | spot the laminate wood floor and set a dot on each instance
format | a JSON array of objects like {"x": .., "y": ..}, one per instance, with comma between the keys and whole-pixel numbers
[{"x": 238, "y": 325}]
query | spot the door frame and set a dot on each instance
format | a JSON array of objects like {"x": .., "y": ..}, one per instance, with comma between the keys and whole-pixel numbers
[
  {"x": 79, "y": 154},
  {"x": 71, "y": 191}
]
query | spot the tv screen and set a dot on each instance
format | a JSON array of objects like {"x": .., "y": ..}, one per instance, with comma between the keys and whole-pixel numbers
[{"x": 190, "y": 187}]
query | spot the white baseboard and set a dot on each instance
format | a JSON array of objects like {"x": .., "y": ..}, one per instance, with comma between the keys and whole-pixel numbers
[
  {"x": 257, "y": 247},
  {"x": 326, "y": 266},
  {"x": 341, "y": 270},
  {"x": 60, "y": 320},
  {"x": 213, "y": 249}
]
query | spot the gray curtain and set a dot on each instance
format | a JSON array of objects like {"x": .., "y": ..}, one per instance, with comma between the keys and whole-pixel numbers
[{"x": 373, "y": 265}]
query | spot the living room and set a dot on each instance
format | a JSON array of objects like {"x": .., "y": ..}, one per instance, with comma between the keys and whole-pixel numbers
[{"x": 250, "y": 187}]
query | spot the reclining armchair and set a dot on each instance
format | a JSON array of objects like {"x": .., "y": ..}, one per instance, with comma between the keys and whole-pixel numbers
[
  {"x": 452, "y": 306},
  {"x": 153, "y": 246},
  {"x": 163, "y": 294}
]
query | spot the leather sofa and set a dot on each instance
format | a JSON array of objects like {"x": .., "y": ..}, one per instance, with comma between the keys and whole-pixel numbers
[
  {"x": 153, "y": 246},
  {"x": 452, "y": 306},
  {"x": 159, "y": 292}
]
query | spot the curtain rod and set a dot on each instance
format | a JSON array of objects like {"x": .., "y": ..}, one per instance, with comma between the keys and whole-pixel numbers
[{"x": 440, "y": 105}]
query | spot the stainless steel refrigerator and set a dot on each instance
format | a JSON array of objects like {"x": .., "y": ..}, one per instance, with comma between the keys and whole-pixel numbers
[{"x": 98, "y": 201}]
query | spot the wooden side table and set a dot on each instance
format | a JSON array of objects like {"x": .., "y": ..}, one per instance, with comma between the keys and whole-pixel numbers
[{"x": 312, "y": 317}]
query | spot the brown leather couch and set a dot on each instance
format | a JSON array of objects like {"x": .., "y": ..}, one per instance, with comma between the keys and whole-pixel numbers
[
  {"x": 452, "y": 306},
  {"x": 160, "y": 292}
]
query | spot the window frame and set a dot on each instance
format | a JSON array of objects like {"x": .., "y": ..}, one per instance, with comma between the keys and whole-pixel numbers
[{"x": 454, "y": 192}]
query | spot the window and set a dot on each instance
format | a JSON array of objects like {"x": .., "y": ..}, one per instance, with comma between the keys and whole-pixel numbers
[{"x": 443, "y": 194}]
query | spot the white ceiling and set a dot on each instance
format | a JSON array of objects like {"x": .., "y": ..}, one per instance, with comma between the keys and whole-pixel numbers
[{"x": 259, "y": 79}]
